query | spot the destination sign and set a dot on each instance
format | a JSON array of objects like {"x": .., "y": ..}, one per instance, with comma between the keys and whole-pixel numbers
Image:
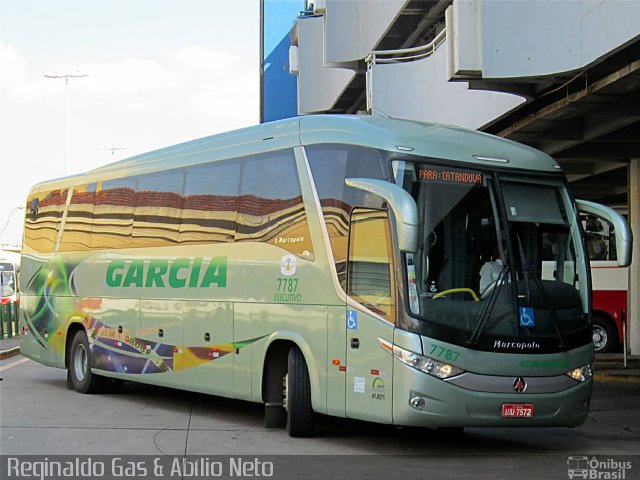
[{"x": 446, "y": 175}]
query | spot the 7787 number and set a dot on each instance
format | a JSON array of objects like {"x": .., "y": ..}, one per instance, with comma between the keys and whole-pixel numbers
[
  {"x": 289, "y": 285},
  {"x": 442, "y": 352}
]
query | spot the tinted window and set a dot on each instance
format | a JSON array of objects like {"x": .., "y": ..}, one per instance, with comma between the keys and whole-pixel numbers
[
  {"x": 42, "y": 220},
  {"x": 196, "y": 205},
  {"x": 156, "y": 219},
  {"x": 77, "y": 226},
  {"x": 115, "y": 202},
  {"x": 210, "y": 203},
  {"x": 330, "y": 165},
  {"x": 271, "y": 208},
  {"x": 520, "y": 208},
  {"x": 370, "y": 267}
]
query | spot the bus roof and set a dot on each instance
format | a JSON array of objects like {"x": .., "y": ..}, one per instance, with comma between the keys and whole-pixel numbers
[{"x": 394, "y": 135}]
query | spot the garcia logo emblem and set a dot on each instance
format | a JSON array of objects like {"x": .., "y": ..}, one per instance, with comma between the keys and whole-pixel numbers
[
  {"x": 519, "y": 385},
  {"x": 288, "y": 265}
]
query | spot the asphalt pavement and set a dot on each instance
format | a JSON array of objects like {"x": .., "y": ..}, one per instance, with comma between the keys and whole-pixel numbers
[{"x": 40, "y": 416}]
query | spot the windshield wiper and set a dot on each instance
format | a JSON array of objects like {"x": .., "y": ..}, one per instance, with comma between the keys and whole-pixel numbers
[
  {"x": 528, "y": 269},
  {"x": 554, "y": 315},
  {"x": 486, "y": 312}
]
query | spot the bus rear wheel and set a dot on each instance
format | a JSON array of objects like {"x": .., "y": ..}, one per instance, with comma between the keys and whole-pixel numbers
[
  {"x": 82, "y": 379},
  {"x": 604, "y": 334},
  {"x": 297, "y": 393}
]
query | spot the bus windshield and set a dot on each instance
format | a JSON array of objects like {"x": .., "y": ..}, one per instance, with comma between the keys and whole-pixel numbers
[
  {"x": 477, "y": 278},
  {"x": 7, "y": 280}
]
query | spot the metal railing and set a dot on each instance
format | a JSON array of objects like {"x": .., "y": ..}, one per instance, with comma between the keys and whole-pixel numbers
[
  {"x": 406, "y": 54},
  {"x": 9, "y": 319},
  {"x": 403, "y": 55}
]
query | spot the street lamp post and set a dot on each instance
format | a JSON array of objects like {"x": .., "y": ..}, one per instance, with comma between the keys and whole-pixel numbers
[
  {"x": 113, "y": 148},
  {"x": 66, "y": 76},
  {"x": 15, "y": 209}
]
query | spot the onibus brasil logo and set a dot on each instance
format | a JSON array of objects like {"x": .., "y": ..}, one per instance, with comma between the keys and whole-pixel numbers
[{"x": 594, "y": 468}]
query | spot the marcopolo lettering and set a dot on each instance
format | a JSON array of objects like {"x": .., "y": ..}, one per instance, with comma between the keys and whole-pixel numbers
[
  {"x": 179, "y": 273},
  {"x": 500, "y": 344}
]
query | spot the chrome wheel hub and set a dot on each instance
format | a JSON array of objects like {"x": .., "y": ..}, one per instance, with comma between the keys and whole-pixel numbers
[
  {"x": 80, "y": 362},
  {"x": 599, "y": 337}
]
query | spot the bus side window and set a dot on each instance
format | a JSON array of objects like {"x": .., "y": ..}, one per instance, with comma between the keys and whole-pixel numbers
[
  {"x": 271, "y": 208},
  {"x": 44, "y": 212},
  {"x": 113, "y": 213},
  {"x": 77, "y": 228},
  {"x": 369, "y": 268},
  {"x": 330, "y": 165},
  {"x": 156, "y": 220},
  {"x": 210, "y": 203}
]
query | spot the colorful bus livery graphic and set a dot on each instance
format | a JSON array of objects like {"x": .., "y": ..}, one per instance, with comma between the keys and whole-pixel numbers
[
  {"x": 49, "y": 303},
  {"x": 112, "y": 349},
  {"x": 271, "y": 264},
  {"x": 122, "y": 353}
]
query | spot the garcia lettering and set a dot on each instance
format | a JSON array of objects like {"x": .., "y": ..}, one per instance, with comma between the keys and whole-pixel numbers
[{"x": 158, "y": 273}]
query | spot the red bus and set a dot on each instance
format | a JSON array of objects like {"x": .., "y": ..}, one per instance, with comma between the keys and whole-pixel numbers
[
  {"x": 610, "y": 285},
  {"x": 8, "y": 286}
]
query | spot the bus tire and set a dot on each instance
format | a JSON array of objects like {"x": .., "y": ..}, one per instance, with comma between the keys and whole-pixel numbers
[
  {"x": 298, "y": 396},
  {"x": 80, "y": 366},
  {"x": 604, "y": 334}
]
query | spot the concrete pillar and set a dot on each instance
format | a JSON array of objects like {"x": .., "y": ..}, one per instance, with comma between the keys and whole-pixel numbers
[{"x": 634, "y": 272}]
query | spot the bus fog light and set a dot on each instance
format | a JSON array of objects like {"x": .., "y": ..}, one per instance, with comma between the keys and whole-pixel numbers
[
  {"x": 416, "y": 401},
  {"x": 581, "y": 374}
]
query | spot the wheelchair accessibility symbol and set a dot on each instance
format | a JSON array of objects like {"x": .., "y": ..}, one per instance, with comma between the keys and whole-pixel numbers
[
  {"x": 352, "y": 319},
  {"x": 527, "y": 317}
]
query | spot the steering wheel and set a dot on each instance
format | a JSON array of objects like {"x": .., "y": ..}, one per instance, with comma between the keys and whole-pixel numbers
[{"x": 456, "y": 290}]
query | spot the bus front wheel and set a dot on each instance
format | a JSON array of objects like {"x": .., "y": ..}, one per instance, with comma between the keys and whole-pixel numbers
[
  {"x": 297, "y": 392},
  {"x": 82, "y": 379}
]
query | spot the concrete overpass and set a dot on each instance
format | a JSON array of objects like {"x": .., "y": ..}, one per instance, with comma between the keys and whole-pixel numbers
[{"x": 563, "y": 77}]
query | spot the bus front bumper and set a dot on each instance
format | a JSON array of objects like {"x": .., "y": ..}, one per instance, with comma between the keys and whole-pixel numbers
[{"x": 422, "y": 400}]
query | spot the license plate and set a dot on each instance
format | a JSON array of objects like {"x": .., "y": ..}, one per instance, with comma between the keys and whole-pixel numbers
[{"x": 517, "y": 410}]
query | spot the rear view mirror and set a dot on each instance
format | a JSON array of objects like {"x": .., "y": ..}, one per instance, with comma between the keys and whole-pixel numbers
[
  {"x": 624, "y": 237},
  {"x": 403, "y": 205}
]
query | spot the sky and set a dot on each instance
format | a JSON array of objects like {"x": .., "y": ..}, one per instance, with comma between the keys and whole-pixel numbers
[{"x": 160, "y": 72}]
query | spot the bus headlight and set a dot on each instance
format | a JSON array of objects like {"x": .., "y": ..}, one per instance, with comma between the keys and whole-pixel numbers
[
  {"x": 426, "y": 364},
  {"x": 581, "y": 374}
]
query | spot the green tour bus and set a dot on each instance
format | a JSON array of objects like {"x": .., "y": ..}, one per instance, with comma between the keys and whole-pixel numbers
[{"x": 356, "y": 266}]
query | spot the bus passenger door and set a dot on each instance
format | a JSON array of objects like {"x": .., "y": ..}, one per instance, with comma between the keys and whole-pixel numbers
[{"x": 369, "y": 317}]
